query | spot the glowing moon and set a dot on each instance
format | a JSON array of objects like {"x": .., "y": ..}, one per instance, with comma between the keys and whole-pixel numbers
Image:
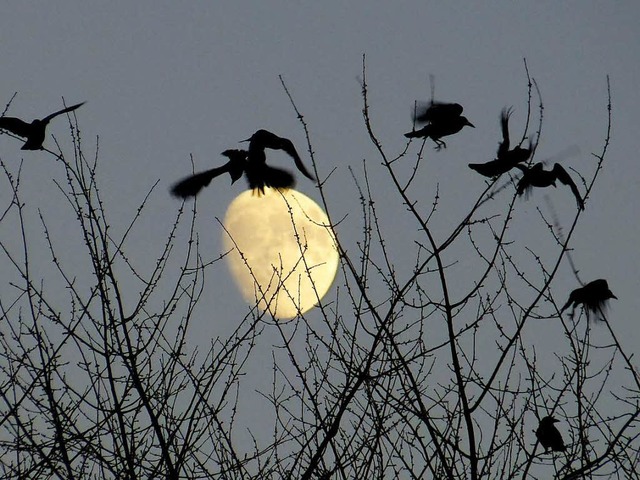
[{"x": 283, "y": 254}]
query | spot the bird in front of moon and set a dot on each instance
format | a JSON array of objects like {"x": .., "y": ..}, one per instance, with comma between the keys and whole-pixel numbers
[
  {"x": 251, "y": 163},
  {"x": 33, "y": 132},
  {"x": 282, "y": 250}
]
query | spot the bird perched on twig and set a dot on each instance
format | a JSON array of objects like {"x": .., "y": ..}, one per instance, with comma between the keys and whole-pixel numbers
[
  {"x": 506, "y": 159},
  {"x": 593, "y": 296},
  {"x": 442, "y": 119},
  {"x": 536, "y": 176},
  {"x": 549, "y": 436},
  {"x": 259, "y": 174},
  {"x": 35, "y": 131},
  {"x": 235, "y": 167}
]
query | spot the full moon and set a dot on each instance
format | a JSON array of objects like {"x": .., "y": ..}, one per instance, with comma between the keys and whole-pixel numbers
[{"x": 282, "y": 251}]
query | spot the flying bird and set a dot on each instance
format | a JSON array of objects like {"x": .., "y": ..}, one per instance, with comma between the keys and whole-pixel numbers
[
  {"x": 536, "y": 176},
  {"x": 594, "y": 296},
  {"x": 549, "y": 436},
  {"x": 259, "y": 174},
  {"x": 506, "y": 159},
  {"x": 35, "y": 131},
  {"x": 235, "y": 167},
  {"x": 442, "y": 119}
]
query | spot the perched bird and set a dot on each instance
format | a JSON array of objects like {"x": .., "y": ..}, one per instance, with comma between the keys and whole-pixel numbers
[
  {"x": 259, "y": 174},
  {"x": 594, "y": 296},
  {"x": 549, "y": 436},
  {"x": 35, "y": 131},
  {"x": 506, "y": 159},
  {"x": 442, "y": 119},
  {"x": 536, "y": 176},
  {"x": 235, "y": 167}
]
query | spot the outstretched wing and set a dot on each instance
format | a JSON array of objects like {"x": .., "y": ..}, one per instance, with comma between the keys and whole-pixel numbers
[
  {"x": 504, "y": 124},
  {"x": 190, "y": 186},
  {"x": 64, "y": 110},
  {"x": 15, "y": 126},
  {"x": 564, "y": 177},
  {"x": 288, "y": 147}
]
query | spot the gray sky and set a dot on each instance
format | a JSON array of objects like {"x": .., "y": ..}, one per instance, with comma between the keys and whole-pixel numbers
[{"x": 164, "y": 80}]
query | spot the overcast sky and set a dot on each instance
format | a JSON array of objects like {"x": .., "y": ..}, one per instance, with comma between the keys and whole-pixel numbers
[{"x": 165, "y": 79}]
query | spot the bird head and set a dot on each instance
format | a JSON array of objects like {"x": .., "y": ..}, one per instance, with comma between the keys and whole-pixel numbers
[{"x": 549, "y": 420}]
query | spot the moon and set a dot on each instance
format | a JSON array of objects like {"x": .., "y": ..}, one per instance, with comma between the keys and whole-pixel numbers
[{"x": 282, "y": 250}]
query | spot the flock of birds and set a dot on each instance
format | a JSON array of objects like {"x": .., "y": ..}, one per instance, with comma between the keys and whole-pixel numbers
[{"x": 440, "y": 120}]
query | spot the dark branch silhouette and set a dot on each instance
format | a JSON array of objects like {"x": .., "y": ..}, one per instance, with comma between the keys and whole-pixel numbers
[
  {"x": 536, "y": 176},
  {"x": 549, "y": 436},
  {"x": 442, "y": 119},
  {"x": 506, "y": 159},
  {"x": 235, "y": 167},
  {"x": 593, "y": 296},
  {"x": 35, "y": 131}
]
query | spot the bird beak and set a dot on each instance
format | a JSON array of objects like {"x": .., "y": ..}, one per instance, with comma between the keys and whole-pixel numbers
[
  {"x": 247, "y": 140},
  {"x": 613, "y": 296},
  {"x": 470, "y": 124}
]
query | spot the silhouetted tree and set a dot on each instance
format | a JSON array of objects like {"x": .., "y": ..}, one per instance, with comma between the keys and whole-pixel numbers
[{"x": 412, "y": 368}]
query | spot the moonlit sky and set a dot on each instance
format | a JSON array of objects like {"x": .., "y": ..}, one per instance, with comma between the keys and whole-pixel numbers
[{"x": 165, "y": 79}]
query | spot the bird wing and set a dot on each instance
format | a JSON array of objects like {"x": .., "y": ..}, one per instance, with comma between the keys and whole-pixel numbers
[
  {"x": 436, "y": 112},
  {"x": 504, "y": 124},
  {"x": 564, "y": 177},
  {"x": 60, "y": 112},
  {"x": 524, "y": 185},
  {"x": 487, "y": 169},
  {"x": 288, "y": 147},
  {"x": 237, "y": 163},
  {"x": 278, "y": 178},
  {"x": 15, "y": 126},
  {"x": 190, "y": 186}
]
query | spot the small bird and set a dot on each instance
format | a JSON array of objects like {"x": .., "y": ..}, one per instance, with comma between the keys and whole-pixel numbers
[
  {"x": 442, "y": 119},
  {"x": 549, "y": 436},
  {"x": 506, "y": 159},
  {"x": 35, "y": 131},
  {"x": 235, "y": 167},
  {"x": 594, "y": 296},
  {"x": 536, "y": 176}
]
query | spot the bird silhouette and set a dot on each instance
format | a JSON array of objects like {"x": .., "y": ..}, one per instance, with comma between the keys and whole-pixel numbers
[
  {"x": 251, "y": 163},
  {"x": 264, "y": 139},
  {"x": 35, "y": 131},
  {"x": 593, "y": 296},
  {"x": 549, "y": 436},
  {"x": 536, "y": 176},
  {"x": 506, "y": 159},
  {"x": 235, "y": 167},
  {"x": 442, "y": 119}
]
